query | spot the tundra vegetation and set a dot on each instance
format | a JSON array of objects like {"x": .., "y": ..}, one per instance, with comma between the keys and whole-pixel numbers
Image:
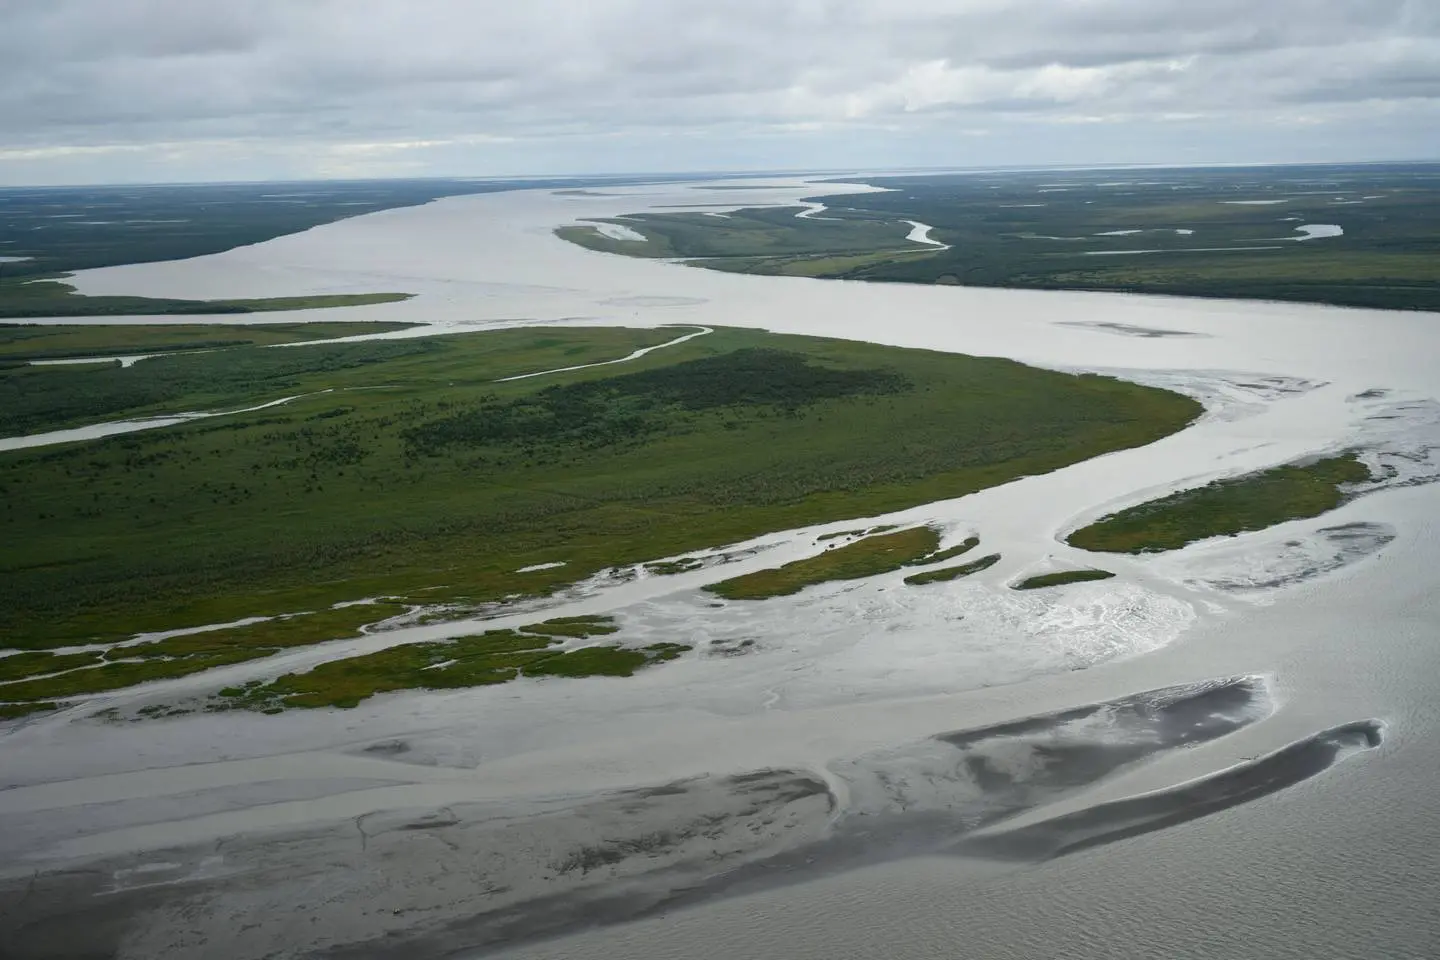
[
  {"x": 1189, "y": 232},
  {"x": 495, "y": 656},
  {"x": 405, "y": 471},
  {"x": 946, "y": 574},
  {"x": 1060, "y": 578},
  {"x": 24, "y": 343},
  {"x": 1228, "y": 507}
]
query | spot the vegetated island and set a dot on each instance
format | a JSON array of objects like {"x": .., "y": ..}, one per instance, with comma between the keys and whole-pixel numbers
[
  {"x": 24, "y": 343},
  {"x": 867, "y": 557},
  {"x": 946, "y": 574},
  {"x": 1060, "y": 578},
  {"x": 1227, "y": 507},
  {"x": 493, "y": 657},
  {"x": 405, "y": 471},
  {"x": 22, "y": 299},
  {"x": 1355, "y": 235}
]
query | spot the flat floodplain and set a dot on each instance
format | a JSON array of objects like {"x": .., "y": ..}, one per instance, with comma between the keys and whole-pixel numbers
[
  {"x": 22, "y": 343},
  {"x": 405, "y": 469},
  {"x": 1360, "y": 235},
  {"x": 1226, "y": 508}
]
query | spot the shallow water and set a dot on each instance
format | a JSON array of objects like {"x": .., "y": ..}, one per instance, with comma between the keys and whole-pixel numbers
[{"x": 1338, "y": 615}]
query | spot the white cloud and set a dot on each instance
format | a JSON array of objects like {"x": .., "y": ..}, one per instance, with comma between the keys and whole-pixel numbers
[{"x": 460, "y": 87}]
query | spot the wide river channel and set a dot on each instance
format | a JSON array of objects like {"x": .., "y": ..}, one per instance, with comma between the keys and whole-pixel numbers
[{"x": 850, "y": 695}]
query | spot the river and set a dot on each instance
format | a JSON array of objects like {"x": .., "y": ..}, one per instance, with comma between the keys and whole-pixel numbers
[{"x": 1332, "y": 620}]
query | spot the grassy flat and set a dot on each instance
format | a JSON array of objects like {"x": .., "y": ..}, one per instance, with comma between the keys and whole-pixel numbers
[
  {"x": 418, "y": 476},
  {"x": 22, "y": 666},
  {"x": 1225, "y": 507},
  {"x": 744, "y": 233},
  {"x": 16, "y": 711},
  {"x": 863, "y": 558},
  {"x": 26, "y": 342},
  {"x": 181, "y": 656},
  {"x": 497, "y": 656},
  {"x": 950, "y": 553},
  {"x": 1061, "y": 578},
  {"x": 946, "y": 574},
  {"x": 53, "y": 298},
  {"x": 34, "y": 399},
  {"x": 1185, "y": 231}
]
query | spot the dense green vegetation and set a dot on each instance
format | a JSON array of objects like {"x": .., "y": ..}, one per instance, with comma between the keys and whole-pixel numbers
[
  {"x": 877, "y": 552},
  {"x": 863, "y": 558},
  {"x": 765, "y": 232},
  {"x": 20, "y": 299},
  {"x": 15, "y": 711},
  {"x": 125, "y": 666},
  {"x": 970, "y": 543},
  {"x": 34, "y": 399},
  {"x": 945, "y": 574},
  {"x": 26, "y": 342},
  {"x": 404, "y": 492},
  {"x": 1061, "y": 578},
  {"x": 496, "y": 656},
  {"x": 1192, "y": 232},
  {"x": 1226, "y": 507},
  {"x": 21, "y": 666}
]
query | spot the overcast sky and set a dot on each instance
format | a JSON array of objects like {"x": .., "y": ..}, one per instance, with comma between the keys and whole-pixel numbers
[{"x": 167, "y": 90}]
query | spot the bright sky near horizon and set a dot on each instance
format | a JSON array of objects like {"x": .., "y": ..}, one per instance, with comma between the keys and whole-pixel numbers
[{"x": 95, "y": 91}]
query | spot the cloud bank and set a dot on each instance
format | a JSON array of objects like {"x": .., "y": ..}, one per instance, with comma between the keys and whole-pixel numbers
[{"x": 175, "y": 89}]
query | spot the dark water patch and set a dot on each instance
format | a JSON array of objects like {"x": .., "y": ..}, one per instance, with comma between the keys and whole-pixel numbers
[
  {"x": 443, "y": 881},
  {"x": 1128, "y": 330},
  {"x": 1118, "y": 820}
]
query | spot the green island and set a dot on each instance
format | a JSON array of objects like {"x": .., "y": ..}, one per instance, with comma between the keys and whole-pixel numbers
[
  {"x": 1061, "y": 578},
  {"x": 20, "y": 299},
  {"x": 23, "y": 343},
  {"x": 863, "y": 558},
  {"x": 874, "y": 554},
  {"x": 1242, "y": 232},
  {"x": 496, "y": 656},
  {"x": 1226, "y": 507},
  {"x": 124, "y": 665},
  {"x": 950, "y": 553},
  {"x": 404, "y": 470},
  {"x": 946, "y": 574}
]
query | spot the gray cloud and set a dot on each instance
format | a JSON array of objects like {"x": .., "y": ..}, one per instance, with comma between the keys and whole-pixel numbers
[{"x": 167, "y": 89}]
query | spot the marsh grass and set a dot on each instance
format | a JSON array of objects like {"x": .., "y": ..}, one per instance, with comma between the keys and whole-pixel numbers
[
  {"x": 126, "y": 666},
  {"x": 55, "y": 342},
  {"x": 946, "y": 574},
  {"x": 493, "y": 657},
  {"x": 970, "y": 543},
  {"x": 1061, "y": 578},
  {"x": 17, "y": 711},
  {"x": 863, "y": 558},
  {"x": 1226, "y": 507},
  {"x": 53, "y": 298},
  {"x": 393, "y": 485},
  {"x": 1004, "y": 232}
]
